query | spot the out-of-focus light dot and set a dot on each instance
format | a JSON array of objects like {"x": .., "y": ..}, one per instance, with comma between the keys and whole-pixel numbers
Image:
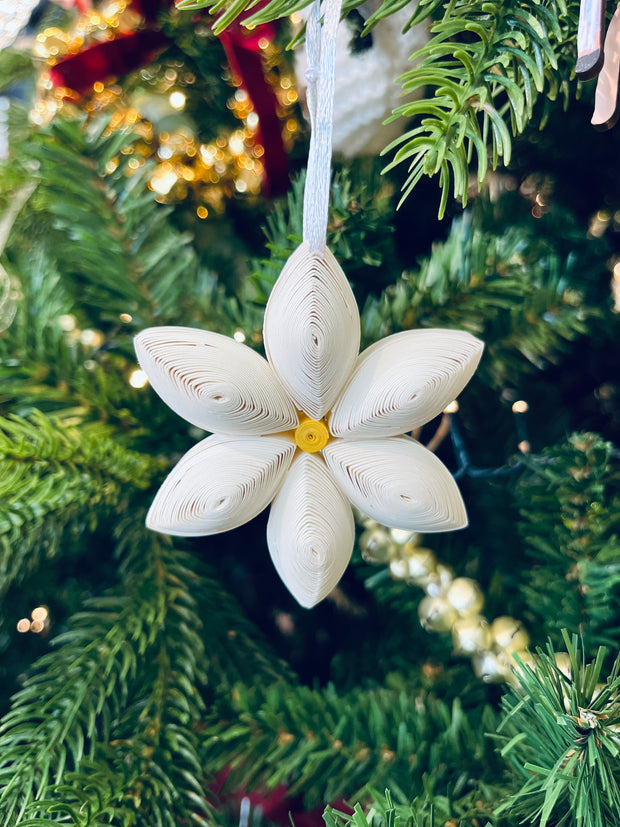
[
  {"x": 98, "y": 86},
  {"x": 177, "y": 100},
  {"x": 241, "y": 185},
  {"x": 296, "y": 18},
  {"x": 23, "y": 625},
  {"x": 617, "y": 270},
  {"x": 263, "y": 43},
  {"x": 259, "y": 151},
  {"x": 291, "y": 96},
  {"x": 239, "y": 335},
  {"x": 90, "y": 364},
  {"x": 138, "y": 378},
  {"x": 285, "y": 83},
  {"x": 40, "y": 613},
  {"x": 524, "y": 447},
  {"x": 520, "y": 406},
  {"x": 202, "y": 212},
  {"x": 126, "y": 317},
  {"x": 292, "y": 125},
  {"x": 603, "y": 215},
  {"x": 236, "y": 145},
  {"x": 252, "y": 120},
  {"x": 165, "y": 152},
  {"x": 163, "y": 183},
  {"x": 37, "y": 626},
  {"x": 67, "y": 322},
  {"x": 91, "y": 338},
  {"x": 452, "y": 407},
  {"x": 241, "y": 95},
  {"x": 133, "y": 163},
  {"x": 111, "y": 165}
]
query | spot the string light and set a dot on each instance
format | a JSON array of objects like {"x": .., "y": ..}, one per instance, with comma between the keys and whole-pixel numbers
[
  {"x": 177, "y": 100},
  {"x": 138, "y": 378},
  {"x": 239, "y": 335}
]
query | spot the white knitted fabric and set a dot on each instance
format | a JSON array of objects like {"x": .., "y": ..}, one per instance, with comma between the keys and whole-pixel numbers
[{"x": 366, "y": 91}]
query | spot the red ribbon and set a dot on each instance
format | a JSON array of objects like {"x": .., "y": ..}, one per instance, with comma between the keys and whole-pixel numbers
[{"x": 126, "y": 53}]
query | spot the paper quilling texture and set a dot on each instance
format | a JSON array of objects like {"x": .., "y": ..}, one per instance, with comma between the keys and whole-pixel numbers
[{"x": 310, "y": 430}]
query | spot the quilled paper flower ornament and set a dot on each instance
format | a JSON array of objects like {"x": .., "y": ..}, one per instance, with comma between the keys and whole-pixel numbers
[
  {"x": 315, "y": 427},
  {"x": 309, "y": 430}
]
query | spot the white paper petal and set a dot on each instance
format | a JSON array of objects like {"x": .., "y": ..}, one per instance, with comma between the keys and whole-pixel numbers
[
  {"x": 397, "y": 482},
  {"x": 214, "y": 382},
  {"x": 312, "y": 330},
  {"x": 221, "y": 483},
  {"x": 310, "y": 531},
  {"x": 403, "y": 381}
]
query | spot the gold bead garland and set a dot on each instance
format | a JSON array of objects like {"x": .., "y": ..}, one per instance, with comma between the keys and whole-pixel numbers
[{"x": 451, "y": 604}]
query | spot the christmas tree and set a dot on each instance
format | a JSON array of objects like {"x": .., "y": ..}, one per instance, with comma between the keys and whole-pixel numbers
[{"x": 152, "y": 174}]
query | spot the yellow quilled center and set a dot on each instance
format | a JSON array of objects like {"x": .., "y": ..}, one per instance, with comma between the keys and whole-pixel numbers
[{"x": 311, "y": 435}]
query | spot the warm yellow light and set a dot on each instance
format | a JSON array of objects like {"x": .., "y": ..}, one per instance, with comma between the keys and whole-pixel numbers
[
  {"x": 126, "y": 317},
  {"x": 520, "y": 406},
  {"x": 202, "y": 212},
  {"x": 452, "y": 407},
  {"x": 23, "y": 625},
  {"x": 177, "y": 100},
  {"x": 37, "y": 626},
  {"x": 40, "y": 613},
  {"x": 98, "y": 86},
  {"x": 138, "y": 378}
]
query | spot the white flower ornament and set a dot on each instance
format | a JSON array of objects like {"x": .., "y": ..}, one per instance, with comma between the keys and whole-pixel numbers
[{"x": 309, "y": 430}]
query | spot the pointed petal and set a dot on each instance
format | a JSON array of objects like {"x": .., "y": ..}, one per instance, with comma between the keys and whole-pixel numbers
[
  {"x": 221, "y": 483},
  {"x": 312, "y": 330},
  {"x": 214, "y": 382},
  {"x": 310, "y": 531},
  {"x": 403, "y": 381},
  {"x": 398, "y": 483}
]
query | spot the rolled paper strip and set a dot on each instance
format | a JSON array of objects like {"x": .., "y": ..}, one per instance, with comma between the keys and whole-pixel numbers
[
  {"x": 220, "y": 484},
  {"x": 214, "y": 382},
  {"x": 311, "y": 531},
  {"x": 311, "y": 435},
  {"x": 404, "y": 381},
  {"x": 312, "y": 330},
  {"x": 398, "y": 482}
]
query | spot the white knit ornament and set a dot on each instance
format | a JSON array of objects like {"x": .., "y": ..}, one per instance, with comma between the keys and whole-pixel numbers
[
  {"x": 366, "y": 87},
  {"x": 316, "y": 426}
]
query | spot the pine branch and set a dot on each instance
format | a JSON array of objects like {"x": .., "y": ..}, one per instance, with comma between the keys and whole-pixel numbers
[
  {"x": 560, "y": 738},
  {"x": 483, "y": 71},
  {"x": 326, "y": 745},
  {"x": 112, "y": 241},
  {"x": 51, "y": 474},
  {"x": 126, "y": 675},
  {"x": 570, "y": 506},
  {"x": 512, "y": 290}
]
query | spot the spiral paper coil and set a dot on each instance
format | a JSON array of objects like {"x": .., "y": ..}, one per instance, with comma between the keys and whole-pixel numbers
[
  {"x": 214, "y": 382},
  {"x": 404, "y": 381},
  {"x": 310, "y": 531},
  {"x": 312, "y": 330},
  {"x": 398, "y": 483},
  {"x": 220, "y": 484}
]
